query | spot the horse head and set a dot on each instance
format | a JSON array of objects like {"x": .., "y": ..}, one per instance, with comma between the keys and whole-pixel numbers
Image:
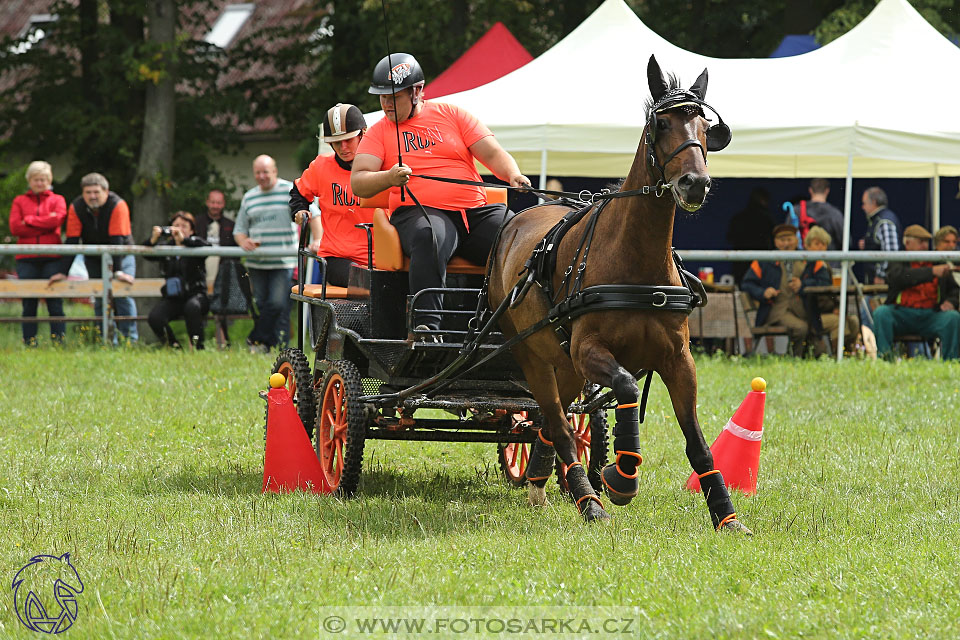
[{"x": 678, "y": 135}]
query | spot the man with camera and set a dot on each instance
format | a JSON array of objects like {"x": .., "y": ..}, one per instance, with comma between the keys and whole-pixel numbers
[{"x": 185, "y": 290}]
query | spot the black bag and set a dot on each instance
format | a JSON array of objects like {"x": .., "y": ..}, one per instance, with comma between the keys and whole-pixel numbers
[{"x": 231, "y": 290}]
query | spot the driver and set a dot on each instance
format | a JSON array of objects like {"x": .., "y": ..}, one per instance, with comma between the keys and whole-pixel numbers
[
  {"x": 436, "y": 139},
  {"x": 334, "y": 234}
]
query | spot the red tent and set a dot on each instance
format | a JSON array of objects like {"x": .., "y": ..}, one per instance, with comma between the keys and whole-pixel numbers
[{"x": 495, "y": 54}]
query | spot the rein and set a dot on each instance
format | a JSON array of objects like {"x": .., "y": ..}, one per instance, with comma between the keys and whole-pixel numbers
[{"x": 583, "y": 196}]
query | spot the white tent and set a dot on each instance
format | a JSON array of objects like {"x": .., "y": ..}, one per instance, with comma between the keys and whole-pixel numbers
[{"x": 879, "y": 94}]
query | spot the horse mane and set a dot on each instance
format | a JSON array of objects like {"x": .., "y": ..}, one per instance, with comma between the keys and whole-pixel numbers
[{"x": 673, "y": 82}]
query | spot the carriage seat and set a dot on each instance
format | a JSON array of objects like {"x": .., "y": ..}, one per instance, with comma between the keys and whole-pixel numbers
[
  {"x": 316, "y": 290},
  {"x": 387, "y": 252}
]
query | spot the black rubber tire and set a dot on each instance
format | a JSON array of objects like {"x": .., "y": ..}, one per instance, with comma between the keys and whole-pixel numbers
[
  {"x": 340, "y": 385},
  {"x": 597, "y": 422},
  {"x": 296, "y": 368}
]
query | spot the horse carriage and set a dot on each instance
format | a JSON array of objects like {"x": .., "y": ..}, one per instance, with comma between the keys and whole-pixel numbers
[
  {"x": 536, "y": 346},
  {"x": 367, "y": 352}
]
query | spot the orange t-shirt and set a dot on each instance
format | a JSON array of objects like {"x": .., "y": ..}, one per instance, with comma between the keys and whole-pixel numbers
[
  {"x": 435, "y": 143},
  {"x": 340, "y": 210}
]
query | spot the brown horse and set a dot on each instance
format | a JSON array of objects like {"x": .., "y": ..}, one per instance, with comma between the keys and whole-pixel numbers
[{"x": 631, "y": 246}]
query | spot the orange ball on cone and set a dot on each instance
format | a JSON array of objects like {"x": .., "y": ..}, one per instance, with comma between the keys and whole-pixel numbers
[{"x": 736, "y": 451}]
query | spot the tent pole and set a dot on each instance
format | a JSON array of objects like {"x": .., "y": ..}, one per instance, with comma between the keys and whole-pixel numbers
[
  {"x": 845, "y": 265},
  {"x": 543, "y": 172},
  {"x": 935, "y": 199}
]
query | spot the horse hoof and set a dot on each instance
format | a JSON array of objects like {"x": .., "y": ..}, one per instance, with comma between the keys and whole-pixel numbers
[
  {"x": 735, "y": 526},
  {"x": 537, "y": 496},
  {"x": 620, "y": 490},
  {"x": 594, "y": 513}
]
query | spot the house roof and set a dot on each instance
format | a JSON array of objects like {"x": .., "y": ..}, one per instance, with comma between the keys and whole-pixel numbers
[{"x": 15, "y": 14}]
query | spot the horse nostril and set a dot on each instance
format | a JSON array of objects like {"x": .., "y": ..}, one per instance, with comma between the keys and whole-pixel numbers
[{"x": 686, "y": 181}]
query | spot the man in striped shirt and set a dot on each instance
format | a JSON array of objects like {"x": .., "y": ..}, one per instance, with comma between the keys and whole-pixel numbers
[{"x": 264, "y": 221}]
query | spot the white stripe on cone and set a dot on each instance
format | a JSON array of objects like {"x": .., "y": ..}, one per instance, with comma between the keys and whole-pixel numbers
[{"x": 740, "y": 432}]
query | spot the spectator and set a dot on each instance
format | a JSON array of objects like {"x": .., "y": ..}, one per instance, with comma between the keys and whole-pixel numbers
[
  {"x": 751, "y": 228},
  {"x": 817, "y": 240},
  {"x": 217, "y": 228},
  {"x": 945, "y": 239},
  {"x": 264, "y": 221},
  {"x": 922, "y": 299},
  {"x": 778, "y": 286},
  {"x": 334, "y": 233},
  {"x": 824, "y": 214},
  {"x": 883, "y": 232},
  {"x": 185, "y": 290},
  {"x": 35, "y": 218},
  {"x": 440, "y": 140},
  {"x": 100, "y": 216}
]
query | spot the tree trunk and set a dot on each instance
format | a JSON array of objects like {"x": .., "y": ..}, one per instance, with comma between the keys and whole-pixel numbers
[{"x": 155, "y": 168}]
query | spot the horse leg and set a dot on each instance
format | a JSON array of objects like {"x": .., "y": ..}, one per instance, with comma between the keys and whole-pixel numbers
[
  {"x": 620, "y": 478},
  {"x": 541, "y": 377},
  {"x": 681, "y": 382}
]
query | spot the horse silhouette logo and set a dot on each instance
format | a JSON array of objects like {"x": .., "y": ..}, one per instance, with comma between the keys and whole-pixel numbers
[{"x": 48, "y": 572}]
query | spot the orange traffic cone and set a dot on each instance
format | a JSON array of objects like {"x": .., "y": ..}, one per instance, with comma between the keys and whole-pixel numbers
[
  {"x": 289, "y": 462},
  {"x": 736, "y": 451}
]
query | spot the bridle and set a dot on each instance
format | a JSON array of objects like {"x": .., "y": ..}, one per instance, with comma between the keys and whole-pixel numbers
[{"x": 718, "y": 135}]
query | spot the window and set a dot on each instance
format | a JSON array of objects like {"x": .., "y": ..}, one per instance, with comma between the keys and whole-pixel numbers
[
  {"x": 228, "y": 25},
  {"x": 33, "y": 32}
]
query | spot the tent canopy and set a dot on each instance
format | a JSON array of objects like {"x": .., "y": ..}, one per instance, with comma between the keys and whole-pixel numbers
[
  {"x": 579, "y": 106},
  {"x": 494, "y": 55}
]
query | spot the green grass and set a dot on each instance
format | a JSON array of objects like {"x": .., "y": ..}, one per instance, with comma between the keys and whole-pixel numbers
[{"x": 147, "y": 466}]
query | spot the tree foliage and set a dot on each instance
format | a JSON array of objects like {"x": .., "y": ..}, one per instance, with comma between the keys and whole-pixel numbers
[
  {"x": 80, "y": 93},
  {"x": 942, "y": 14}
]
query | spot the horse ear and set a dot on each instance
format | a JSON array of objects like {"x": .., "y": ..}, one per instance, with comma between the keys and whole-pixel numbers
[
  {"x": 658, "y": 84},
  {"x": 699, "y": 88}
]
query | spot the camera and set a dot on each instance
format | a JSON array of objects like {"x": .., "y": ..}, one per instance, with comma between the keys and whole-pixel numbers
[{"x": 166, "y": 231}]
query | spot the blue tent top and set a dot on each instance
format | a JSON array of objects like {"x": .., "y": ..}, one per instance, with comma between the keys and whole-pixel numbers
[{"x": 794, "y": 45}]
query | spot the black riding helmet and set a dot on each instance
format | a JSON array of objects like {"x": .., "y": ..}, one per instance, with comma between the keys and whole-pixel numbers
[
  {"x": 403, "y": 67},
  {"x": 342, "y": 122}
]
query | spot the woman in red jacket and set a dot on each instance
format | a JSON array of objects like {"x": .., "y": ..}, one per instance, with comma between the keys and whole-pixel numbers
[{"x": 35, "y": 218}]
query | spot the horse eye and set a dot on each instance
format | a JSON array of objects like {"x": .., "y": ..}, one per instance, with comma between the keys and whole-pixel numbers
[{"x": 662, "y": 124}]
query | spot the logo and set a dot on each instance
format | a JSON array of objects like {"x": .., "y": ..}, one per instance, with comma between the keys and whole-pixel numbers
[
  {"x": 400, "y": 72},
  {"x": 45, "y": 593}
]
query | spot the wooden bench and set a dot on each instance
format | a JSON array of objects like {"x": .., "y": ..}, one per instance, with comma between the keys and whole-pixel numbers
[{"x": 13, "y": 288}]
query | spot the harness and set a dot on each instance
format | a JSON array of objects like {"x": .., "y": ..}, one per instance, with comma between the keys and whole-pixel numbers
[{"x": 576, "y": 300}]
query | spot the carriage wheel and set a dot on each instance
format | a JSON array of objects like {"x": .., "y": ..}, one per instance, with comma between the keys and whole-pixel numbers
[
  {"x": 514, "y": 456},
  {"x": 590, "y": 435},
  {"x": 341, "y": 426},
  {"x": 296, "y": 369}
]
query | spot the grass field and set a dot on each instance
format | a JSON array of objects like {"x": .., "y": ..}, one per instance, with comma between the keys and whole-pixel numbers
[{"x": 147, "y": 465}]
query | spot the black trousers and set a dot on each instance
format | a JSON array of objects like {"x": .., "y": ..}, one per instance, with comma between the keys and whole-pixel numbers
[
  {"x": 338, "y": 271},
  {"x": 193, "y": 309},
  {"x": 432, "y": 239}
]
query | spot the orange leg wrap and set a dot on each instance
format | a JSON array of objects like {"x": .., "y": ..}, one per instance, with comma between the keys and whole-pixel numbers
[{"x": 732, "y": 516}]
